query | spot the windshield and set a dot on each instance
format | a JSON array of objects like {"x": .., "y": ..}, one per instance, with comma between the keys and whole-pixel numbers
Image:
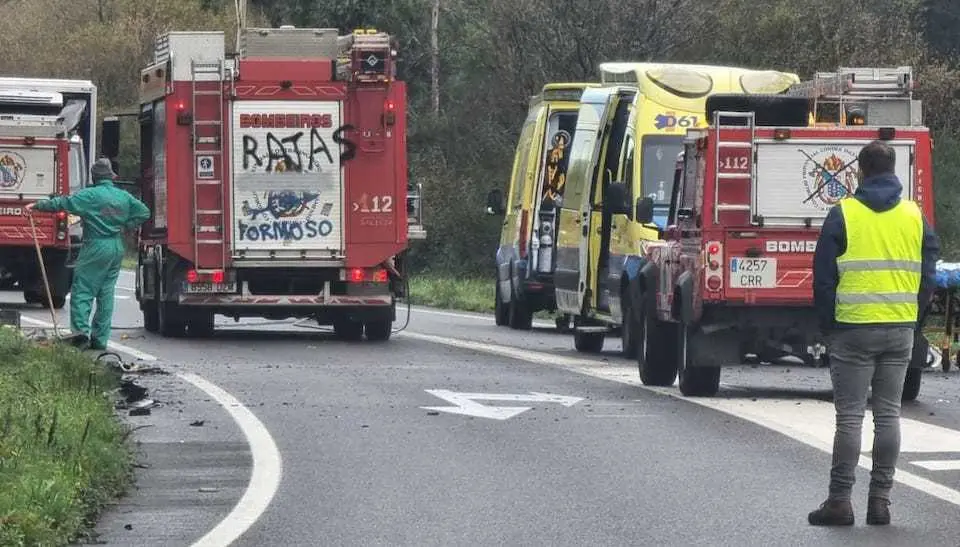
[
  {"x": 78, "y": 171},
  {"x": 658, "y": 166}
]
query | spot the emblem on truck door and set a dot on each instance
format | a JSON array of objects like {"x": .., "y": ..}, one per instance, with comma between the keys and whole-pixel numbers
[
  {"x": 829, "y": 175},
  {"x": 800, "y": 246},
  {"x": 12, "y": 169}
]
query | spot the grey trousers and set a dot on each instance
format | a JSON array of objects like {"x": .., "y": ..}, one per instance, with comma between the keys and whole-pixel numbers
[{"x": 860, "y": 359}]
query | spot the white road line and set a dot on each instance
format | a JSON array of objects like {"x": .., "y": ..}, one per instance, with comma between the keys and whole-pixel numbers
[
  {"x": 264, "y": 479},
  {"x": 939, "y": 465},
  {"x": 473, "y": 317},
  {"x": 267, "y": 466},
  {"x": 810, "y": 422}
]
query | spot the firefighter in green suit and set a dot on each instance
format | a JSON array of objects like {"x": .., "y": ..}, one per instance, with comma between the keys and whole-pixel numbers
[{"x": 106, "y": 212}]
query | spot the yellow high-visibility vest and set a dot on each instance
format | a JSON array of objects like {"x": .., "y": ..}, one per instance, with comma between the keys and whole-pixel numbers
[{"x": 881, "y": 268}]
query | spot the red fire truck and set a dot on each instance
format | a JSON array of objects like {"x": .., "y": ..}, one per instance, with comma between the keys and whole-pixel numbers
[
  {"x": 47, "y": 138},
  {"x": 733, "y": 276},
  {"x": 277, "y": 179}
]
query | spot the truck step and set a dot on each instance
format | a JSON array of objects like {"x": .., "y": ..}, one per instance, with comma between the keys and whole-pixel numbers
[
  {"x": 207, "y": 122},
  {"x": 209, "y": 183},
  {"x": 209, "y": 211},
  {"x": 208, "y": 92}
]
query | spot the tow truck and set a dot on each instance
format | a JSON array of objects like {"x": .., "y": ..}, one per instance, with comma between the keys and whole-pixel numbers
[
  {"x": 47, "y": 138},
  {"x": 734, "y": 273},
  {"x": 277, "y": 181}
]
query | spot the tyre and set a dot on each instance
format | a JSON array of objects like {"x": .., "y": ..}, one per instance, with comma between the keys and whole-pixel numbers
[
  {"x": 500, "y": 310},
  {"x": 657, "y": 356},
  {"x": 911, "y": 384},
  {"x": 378, "y": 331},
  {"x": 201, "y": 325},
  {"x": 151, "y": 319},
  {"x": 521, "y": 318},
  {"x": 588, "y": 342},
  {"x": 170, "y": 321},
  {"x": 33, "y": 297},
  {"x": 349, "y": 330},
  {"x": 59, "y": 301},
  {"x": 695, "y": 381},
  {"x": 631, "y": 329}
]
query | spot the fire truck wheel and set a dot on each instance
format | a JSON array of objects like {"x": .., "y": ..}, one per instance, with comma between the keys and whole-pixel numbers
[
  {"x": 378, "y": 331},
  {"x": 521, "y": 318},
  {"x": 32, "y": 297},
  {"x": 631, "y": 330},
  {"x": 695, "y": 381},
  {"x": 911, "y": 384},
  {"x": 151, "y": 320},
  {"x": 200, "y": 325},
  {"x": 657, "y": 357},
  {"x": 346, "y": 329},
  {"x": 500, "y": 310},
  {"x": 170, "y": 321}
]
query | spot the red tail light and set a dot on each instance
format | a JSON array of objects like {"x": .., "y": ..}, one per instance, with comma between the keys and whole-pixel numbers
[
  {"x": 217, "y": 277},
  {"x": 389, "y": 106},
  {"x": 713, "y": 283},
  {"x": 356, "y": 275},
  {"x": 61, "y": 215},
  {"x": 380, "y": 276},
  {"x": 192, "y": 276}
]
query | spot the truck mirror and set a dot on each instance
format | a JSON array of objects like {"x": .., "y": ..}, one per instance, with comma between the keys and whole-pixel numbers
[
  {"x": 495, "y": 202},
  {"x": 110, "y": 138},
  {"x": 644, "y": 213},
  {"x": 684, "y": 213},
  {"x": 615, "y": 199}
]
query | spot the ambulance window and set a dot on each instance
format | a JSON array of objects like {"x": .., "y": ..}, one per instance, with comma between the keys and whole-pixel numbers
[
  {"x": 556, "y": 152},
  {"x": 658, "y": 165},
  {"x": 520, "y": 165}
]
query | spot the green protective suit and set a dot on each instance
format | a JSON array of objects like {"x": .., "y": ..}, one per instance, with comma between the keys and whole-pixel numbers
[{"x": 106, "y": 211}]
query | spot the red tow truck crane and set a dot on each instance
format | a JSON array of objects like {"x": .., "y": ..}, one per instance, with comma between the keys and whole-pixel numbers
[
  {"x": 732, "y": 280},
  {"x": 277, "y": 179}
]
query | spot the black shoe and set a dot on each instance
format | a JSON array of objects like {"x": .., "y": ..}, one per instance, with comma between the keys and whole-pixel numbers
[
  {"x": 79, "y": 341},
  {"x": 878, "y": 511},
  {"x": 97, "y": 347},
  {"x": 832, "y": 513}
]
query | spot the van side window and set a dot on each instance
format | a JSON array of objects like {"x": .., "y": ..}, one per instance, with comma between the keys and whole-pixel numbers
[{"x": 610, "y": 166}]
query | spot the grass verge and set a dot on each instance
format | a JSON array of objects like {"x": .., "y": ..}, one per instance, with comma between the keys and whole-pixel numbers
[
  {"x": 457, "y": 293},
  {"x": 63, "y": 454}
]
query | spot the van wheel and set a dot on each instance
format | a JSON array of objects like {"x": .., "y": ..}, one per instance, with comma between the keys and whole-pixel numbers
[
  {"x": 521, "y": 318},
  {"x": 587, "y": 342},
  {"x": 695, "y": 381},
  {"x": 657, "y": 357},
  {"x": 911, "y": 384},
  {"x": 500, "y": 310}
]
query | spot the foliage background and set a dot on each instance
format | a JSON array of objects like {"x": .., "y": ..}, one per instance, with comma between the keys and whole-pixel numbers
[{"x": 494, "y": 54}]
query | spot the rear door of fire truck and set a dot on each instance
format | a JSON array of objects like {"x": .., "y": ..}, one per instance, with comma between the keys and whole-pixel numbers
[
  {"x": 579, "y": 238},
  {"x": 288, "y": 185}
]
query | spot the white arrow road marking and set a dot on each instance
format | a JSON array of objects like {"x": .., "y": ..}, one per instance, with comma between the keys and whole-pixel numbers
[
  {"x": 939, "y": 465},
  {"x": 465, "y": 403},
  {"x": 809, "y": 421}
]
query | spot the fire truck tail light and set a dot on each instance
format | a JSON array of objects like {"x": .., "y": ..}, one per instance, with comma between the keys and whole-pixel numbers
[
  {"x": 181, "y": 106},
  {"x": 714, "y": 264},
  {"x": 389, "y": 106},
  {"x": 217, "y": 276},
  {"x": 61, "y": 215},
  {"x": 713, "y": 249},
  {"x": 380, "y": 276},
  {"x": 193, "y": 276},
  {"x": 714, "y": 282},
  {"x": 389, "y": 113},
  {"x": 355, "y": 275}
]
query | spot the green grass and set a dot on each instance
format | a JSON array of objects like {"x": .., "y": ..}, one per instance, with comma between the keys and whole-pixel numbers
[
  {"x": 456, "y": 293},
  {"x": 63, "y": 454},
  {"x": 452, "y": 293}
]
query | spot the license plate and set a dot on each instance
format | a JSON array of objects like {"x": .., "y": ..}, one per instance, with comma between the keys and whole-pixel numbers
[
  {"x": 753, "y": 273},
  {"x": 203, "y": 287}
]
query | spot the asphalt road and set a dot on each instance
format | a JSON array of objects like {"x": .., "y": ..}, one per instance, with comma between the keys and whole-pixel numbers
[{"x": 362, "y": 462}]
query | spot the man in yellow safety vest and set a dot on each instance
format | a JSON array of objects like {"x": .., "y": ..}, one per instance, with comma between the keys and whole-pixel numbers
[{"x": 874, "y": 271}]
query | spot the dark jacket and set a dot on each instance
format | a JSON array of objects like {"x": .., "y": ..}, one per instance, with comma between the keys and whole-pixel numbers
[{"x": 880, "y": 193}]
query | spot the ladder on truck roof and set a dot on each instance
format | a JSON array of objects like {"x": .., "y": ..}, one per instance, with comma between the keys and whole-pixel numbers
[
  {"x": 31, "y": 125},
  {"x": 207, "y": 138},
  {"x": 728, "y": 172},
  {"x": 856, "y": 84}
]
